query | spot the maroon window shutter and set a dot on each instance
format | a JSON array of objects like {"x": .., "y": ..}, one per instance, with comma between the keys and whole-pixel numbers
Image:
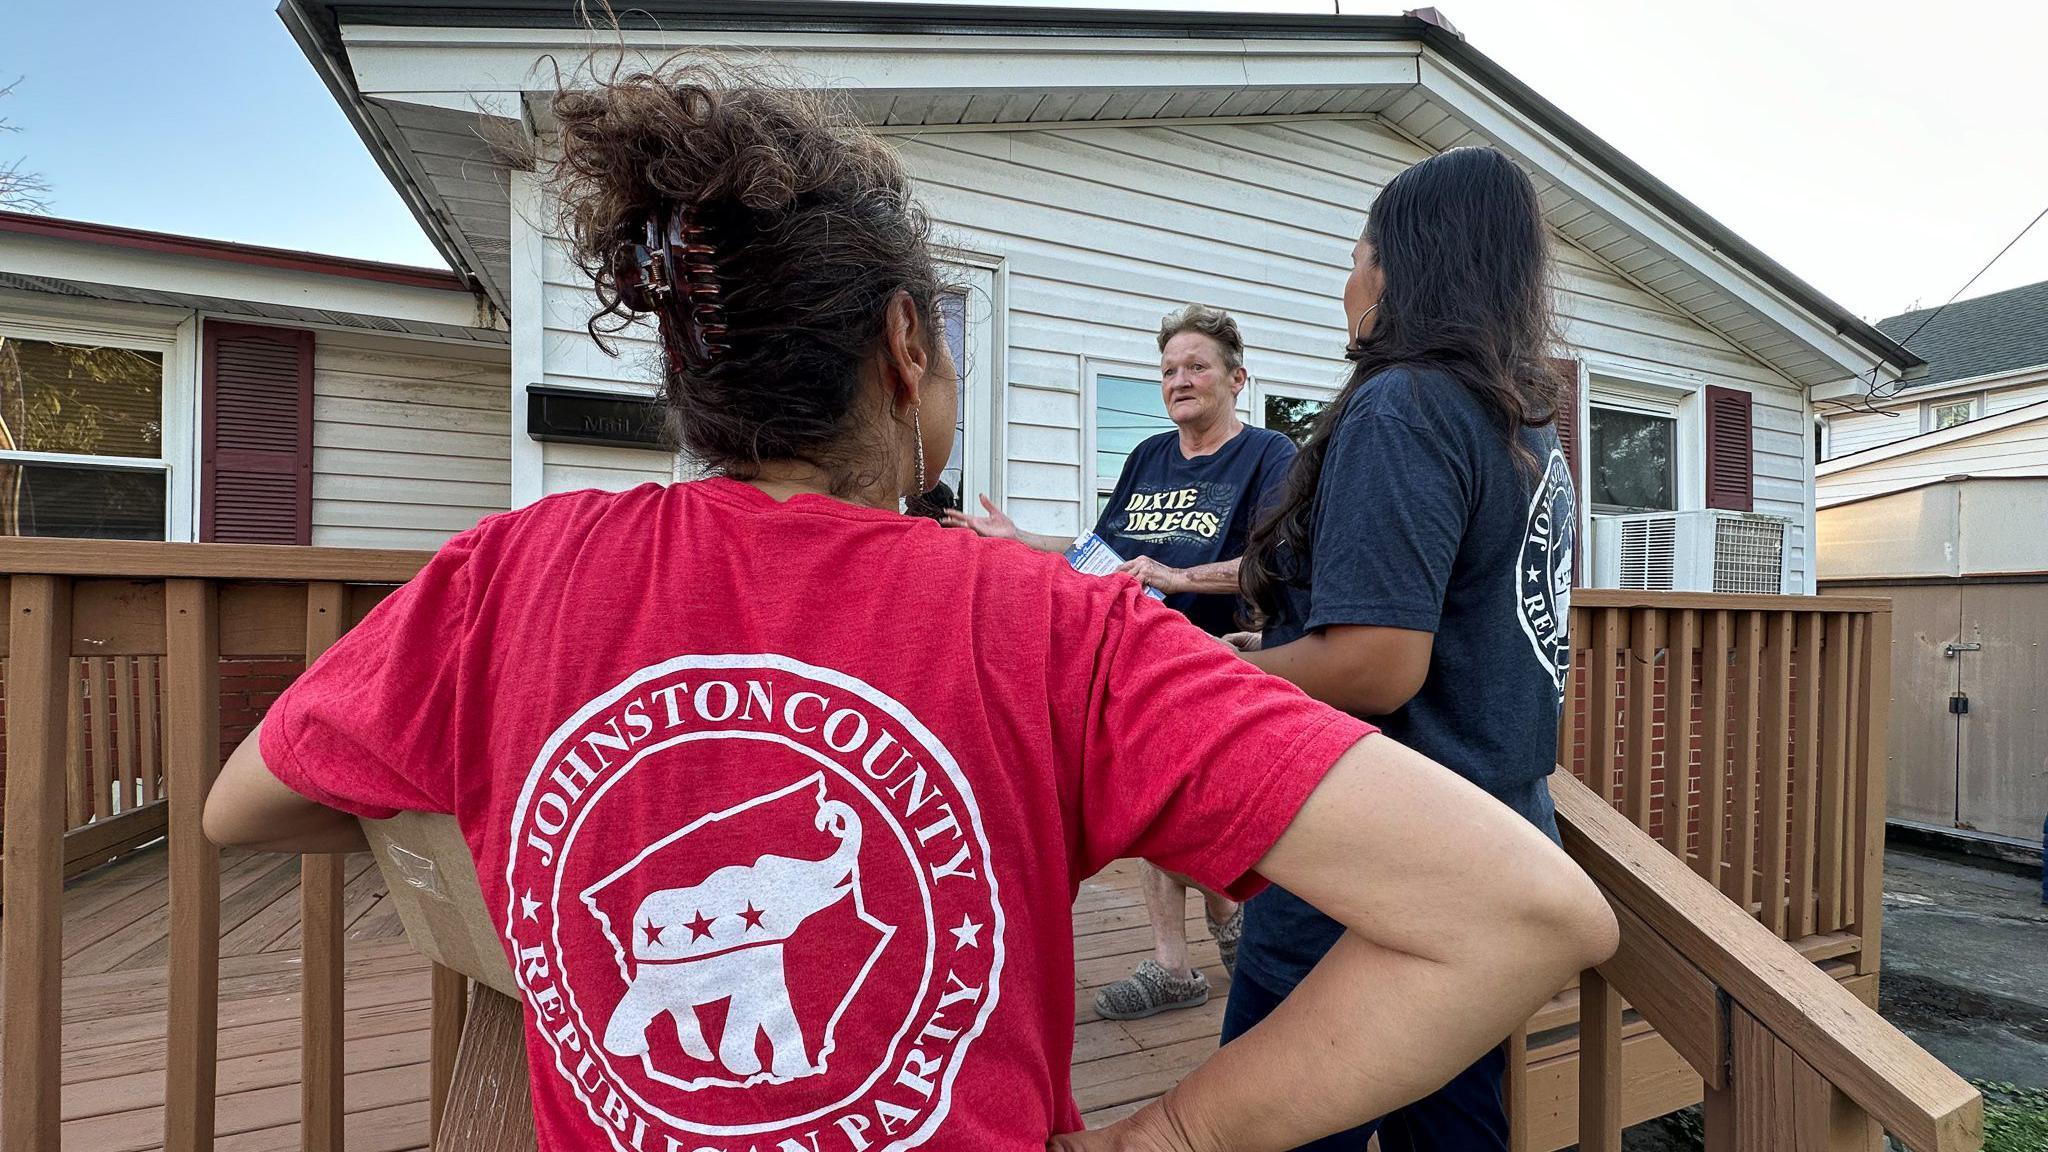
[
  {"x": 1568, "y": 415},
  {"x": 1731, "y": 450},
  {"x": 256, "y": 447}
]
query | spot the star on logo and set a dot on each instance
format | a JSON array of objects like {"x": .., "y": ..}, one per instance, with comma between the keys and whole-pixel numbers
[
  {"x": 1534, "y": 575},
  {"x": 653, "y": 931},
  {"x": 752, "y": 916},
  {"x": 967, "y": 935},
  {"x": 699, "y": 928},
  {"x": 529, "y": 908}
]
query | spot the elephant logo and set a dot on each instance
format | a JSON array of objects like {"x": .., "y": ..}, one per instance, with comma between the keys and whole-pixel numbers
[
  {"x": 725, "y": 939},
  {"x": 750, "y": 903}
]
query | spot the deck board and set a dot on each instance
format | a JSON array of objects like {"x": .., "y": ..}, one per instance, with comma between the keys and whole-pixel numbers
[{"x": 116, "y": 941}]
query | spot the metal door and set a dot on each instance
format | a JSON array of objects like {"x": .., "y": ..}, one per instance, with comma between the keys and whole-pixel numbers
[
  {"x": 2002, "y": 737},
  {"x": 1926, "y": 619}
]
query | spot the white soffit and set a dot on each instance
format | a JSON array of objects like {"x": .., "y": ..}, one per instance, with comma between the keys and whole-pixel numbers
[{"x": 446, "y": 95}]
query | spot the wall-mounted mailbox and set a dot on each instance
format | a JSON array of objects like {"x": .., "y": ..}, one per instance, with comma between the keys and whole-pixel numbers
[{"x": 586, "y": 416}]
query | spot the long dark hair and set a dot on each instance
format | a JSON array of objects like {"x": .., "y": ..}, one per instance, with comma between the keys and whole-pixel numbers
[{"x": 1459, "y": 239}]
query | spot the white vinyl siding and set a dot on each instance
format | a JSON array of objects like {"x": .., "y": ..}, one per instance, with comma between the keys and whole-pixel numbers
[
  {"x": 2020, "y": 450},
  {"x": 409, "y": 440},
  {"x": 1101, "y": 230},
  {"x": 570, "y": 359},
  {"x": 1105, "y": 229},
  {"x": 1850, "y": 433}
]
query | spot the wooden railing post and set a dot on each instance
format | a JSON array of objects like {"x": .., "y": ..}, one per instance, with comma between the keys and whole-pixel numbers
[
  {"x": 31, "y": 933},
  {"x": 1740, "y": 885},
  {"x": 1643, "y": 638},
  {"x": 1601, "y": 720},
  {"x": 1515, "y": 1088},
  {"x": 322, "y": 944},
  {"x": 1714, "y": 657},
  {"x": 1678, "y": 663},
  {"x": 192, "y": 719},
  {"x": 450, "y": 1011},
  {"x": 1871, "y": 793},
  {"x": 1775, "y": 784},
  {"x": 1599, "y": 1064}
]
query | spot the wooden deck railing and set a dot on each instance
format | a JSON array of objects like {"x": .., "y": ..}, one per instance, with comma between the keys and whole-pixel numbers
[
  {"x": 1747, "y": 734},
  {"x": 1767, "y": 780},
  {"x": 1791, "y": 1059}
]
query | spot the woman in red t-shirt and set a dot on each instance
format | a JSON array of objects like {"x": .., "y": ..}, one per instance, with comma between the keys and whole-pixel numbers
[{"x": 780, "y": 798}]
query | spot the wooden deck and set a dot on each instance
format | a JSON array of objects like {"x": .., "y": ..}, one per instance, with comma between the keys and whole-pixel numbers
[{"x": 116, "y": 928}]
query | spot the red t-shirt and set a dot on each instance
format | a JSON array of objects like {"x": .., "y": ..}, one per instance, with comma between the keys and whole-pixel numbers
[{"x": 781, "y": 808}]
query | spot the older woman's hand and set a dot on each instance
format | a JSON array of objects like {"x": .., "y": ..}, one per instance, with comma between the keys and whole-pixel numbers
[
  {"x": 1243, "y": 641},
  {"x": 1152, "y": 574}
]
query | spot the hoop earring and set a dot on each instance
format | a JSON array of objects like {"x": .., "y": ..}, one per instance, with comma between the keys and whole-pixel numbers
[{"x": 1358, "y": 329}]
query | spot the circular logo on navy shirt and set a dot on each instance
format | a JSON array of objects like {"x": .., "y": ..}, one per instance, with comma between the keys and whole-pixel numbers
[{"x": 1543, "y": 579}]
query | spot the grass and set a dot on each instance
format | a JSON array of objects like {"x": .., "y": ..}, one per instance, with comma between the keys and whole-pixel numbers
[{"x": 2015, "y": 1118}]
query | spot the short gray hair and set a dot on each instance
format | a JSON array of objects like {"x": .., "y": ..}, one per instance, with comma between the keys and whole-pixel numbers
[{"x": 1214, "y": 323}]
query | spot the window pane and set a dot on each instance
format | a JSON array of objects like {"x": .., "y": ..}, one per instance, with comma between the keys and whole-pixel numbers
[
  {"x": 1293, "y": 415},
  {"x": 1126, "y": 412},
  {"x": 1950, "y": 415},
  {"x": 81, "y": 400},
  {"x": 97, "y": 503},
  {"x": 1632, "y": 461},
  {"x": 953, "y": 316}
]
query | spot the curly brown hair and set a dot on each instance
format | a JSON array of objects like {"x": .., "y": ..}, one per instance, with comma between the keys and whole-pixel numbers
[{"x": 811, "y": 231}]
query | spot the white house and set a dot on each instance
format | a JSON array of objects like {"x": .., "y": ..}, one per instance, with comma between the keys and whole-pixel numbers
[
  {"x": 1089, "y": 172},
  {"x": 1980, "y": 409},
  {"x": 169, "y": 388}
]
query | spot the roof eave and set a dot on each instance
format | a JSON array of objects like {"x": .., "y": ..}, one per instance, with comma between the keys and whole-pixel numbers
[
  {"x": 323, "y": 50},
  {"x": 969, "y": 19}
]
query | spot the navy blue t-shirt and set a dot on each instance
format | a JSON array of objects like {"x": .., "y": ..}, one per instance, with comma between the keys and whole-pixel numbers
[
  {"x": 1184, "y": 512},
  {"x": 1423, "y": 520}
]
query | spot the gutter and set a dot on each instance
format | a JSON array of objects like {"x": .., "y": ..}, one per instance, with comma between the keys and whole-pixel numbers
[
  {"x": 327, "y": 57},
  {"x": 899, "y": 18}
]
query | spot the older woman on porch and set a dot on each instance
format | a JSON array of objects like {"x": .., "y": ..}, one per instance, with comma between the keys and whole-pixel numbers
[{"x": 780, "y": 797}]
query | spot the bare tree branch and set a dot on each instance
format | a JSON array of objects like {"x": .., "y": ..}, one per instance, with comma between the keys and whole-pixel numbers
[{"x": 20, "y": 191}]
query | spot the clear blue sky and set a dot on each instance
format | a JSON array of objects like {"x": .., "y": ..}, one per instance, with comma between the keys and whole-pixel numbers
[{"x": 1882, "y": 149}]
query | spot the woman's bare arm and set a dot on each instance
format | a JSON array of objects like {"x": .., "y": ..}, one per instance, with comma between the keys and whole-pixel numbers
[
  {"x": 1462, "y": 920},
  {"x": 251, "y": 808}
]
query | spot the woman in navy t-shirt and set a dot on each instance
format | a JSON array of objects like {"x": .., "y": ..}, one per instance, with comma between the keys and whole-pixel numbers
[{"x": 1418, "y": 567}]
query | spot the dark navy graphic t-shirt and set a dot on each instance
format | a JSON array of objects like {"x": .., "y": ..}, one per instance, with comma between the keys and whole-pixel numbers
[
  {"x": 1184, "y": 512},
  {"x": 1424, "y": 521}
]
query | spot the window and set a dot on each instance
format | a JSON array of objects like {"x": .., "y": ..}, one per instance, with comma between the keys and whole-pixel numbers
[
  {"x": 1293, "y": 416},
  {"x": 1633, "y": 461},
  {"x": 1127, "y": 411},
  {"x": 81, "y": 441},
  {"x": 953, "y": 317},
  {"x": 1949, "y": 415}
]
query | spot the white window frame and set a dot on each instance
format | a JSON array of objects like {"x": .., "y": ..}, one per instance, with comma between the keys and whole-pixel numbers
[
  {"x": 177, "y": 345},
  {"x": 1930, "y": 412},
  {"x": 1627, "y": 390},
  {"x": 1092, "y": 370},
  {"x": 983, "y": 419},
  {"x": 1260, "y": 388}
]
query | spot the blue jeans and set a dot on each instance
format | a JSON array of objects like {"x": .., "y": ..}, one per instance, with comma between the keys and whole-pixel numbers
[
  {"x": 1466, "y": 1115},
  {"x": 2044, "y": 860}
]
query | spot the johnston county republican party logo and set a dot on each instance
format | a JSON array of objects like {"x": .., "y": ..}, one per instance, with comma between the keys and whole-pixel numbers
[
  {"x": 751, "y": 907},
  {"x": 1543, "y": 579}
]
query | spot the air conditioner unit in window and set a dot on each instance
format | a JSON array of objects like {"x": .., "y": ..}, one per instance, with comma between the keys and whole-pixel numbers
[{"x": 1706, "y": 551}]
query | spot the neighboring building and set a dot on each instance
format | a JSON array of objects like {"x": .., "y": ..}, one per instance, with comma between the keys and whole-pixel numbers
[
  {"x": 1090, "y": 171},
  {"x": 1980, "y": 409},
  {"x": 160, "y": 387}
]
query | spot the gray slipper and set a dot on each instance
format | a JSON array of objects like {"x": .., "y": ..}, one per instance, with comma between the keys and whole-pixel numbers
[
  {"x": 1227, "y": 935},
  {"x": 1149, "y": 991}
]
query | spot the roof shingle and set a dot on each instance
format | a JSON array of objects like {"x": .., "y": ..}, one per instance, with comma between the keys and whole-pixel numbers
[{"x": 1982, "y": 336}]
